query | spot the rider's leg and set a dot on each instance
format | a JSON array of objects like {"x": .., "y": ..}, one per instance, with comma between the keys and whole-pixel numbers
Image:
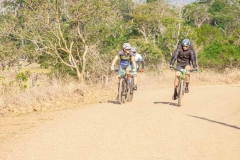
[
  {"x": 128, "y": 69},
  {"x": 187, "y": 78},
  {"x": 177, "y": 77},
  {"x": 135, "y": 81},
  {"x": 119, "y": 69}
]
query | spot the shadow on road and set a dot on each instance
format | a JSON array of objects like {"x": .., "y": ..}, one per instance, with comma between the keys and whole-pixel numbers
[
  {"x": 236, "y": 127},
  {"x": 169, "y": 103},
  {"x": 113, "y": 101}
]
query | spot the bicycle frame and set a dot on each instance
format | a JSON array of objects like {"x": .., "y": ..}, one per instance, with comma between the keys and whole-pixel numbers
[
  {"x": 125, "y": 88},
  {"x": 183, "y": 73}
]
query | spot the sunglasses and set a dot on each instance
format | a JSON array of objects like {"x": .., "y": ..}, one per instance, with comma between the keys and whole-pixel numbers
[{"x": 185, "y": 46}]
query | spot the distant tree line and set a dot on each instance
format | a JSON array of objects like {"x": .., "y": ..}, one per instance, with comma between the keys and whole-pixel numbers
[{"x": 80, "y": 38}]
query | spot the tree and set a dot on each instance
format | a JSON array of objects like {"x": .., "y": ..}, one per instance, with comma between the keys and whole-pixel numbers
[
  {"x": 66, "y": 31},
  {"x": 147, "y": 19},
  {"x": 197, "y": 14},
  {"x": 207, "y": 34},
  {"x": 218, "y": 55}
]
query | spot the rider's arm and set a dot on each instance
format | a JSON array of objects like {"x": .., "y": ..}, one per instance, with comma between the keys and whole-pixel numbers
[
  {"x": 193, "y": 58},
  {"x": 174, "y": 57},
  {"x": 114, "y": 60},
  {"x": 133, "y": 62},
  {"x": 142, "y": 61},
  {"x": 142, "y": 64}
]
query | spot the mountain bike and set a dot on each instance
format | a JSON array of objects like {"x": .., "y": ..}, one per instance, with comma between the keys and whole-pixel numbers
[
  {"x": 182, "y": 83},
  {"x": 125, "y": 87}
]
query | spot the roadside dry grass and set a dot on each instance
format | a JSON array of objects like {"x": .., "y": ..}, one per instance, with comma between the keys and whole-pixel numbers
[
  {"x": 41, "y": 92},
  {"x": 165, "y": 78}
]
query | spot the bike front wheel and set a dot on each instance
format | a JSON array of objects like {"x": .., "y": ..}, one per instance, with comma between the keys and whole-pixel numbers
[
  {"x": 180, "y": 93},
  {"x": 121, "y": 91},
  {"x": 183, "y": 88}
]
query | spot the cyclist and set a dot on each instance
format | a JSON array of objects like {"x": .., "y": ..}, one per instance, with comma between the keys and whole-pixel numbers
[
  {"x": 138, "y": 58},
  {"x": 183, "y": 54},
  {"x": 126, "y": 56}
]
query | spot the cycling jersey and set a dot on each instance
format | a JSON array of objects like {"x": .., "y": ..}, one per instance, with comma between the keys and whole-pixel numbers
[
  {"x": 184, "y": 57},
  {"x": 125, "y": 59},
  {"x": 138, "y": 58}
]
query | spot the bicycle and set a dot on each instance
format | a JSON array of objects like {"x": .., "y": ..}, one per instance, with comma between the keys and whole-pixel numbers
[
  {"x": 125, "y": 87},
  {"x": 182, "y": 83}
]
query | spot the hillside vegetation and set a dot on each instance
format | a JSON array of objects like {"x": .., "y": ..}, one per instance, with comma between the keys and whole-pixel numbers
[{"x": 76, "y": 37}]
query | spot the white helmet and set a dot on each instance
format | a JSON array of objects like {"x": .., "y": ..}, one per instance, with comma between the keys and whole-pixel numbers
[
  {"x": 134, "y": 49},
  {"x": 126, "y": 46}
]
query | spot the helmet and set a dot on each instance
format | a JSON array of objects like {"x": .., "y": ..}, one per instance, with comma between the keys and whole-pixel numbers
[
  {"x": 134, "y": 49},
  {"x": 126, "y": 46},
  {"x": 186, "y": 42}
]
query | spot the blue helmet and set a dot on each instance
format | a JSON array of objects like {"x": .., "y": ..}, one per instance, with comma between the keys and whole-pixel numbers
[{"x": 186, "y": 42}]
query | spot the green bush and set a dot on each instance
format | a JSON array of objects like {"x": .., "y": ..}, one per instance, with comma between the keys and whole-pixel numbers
[
  {"x": 219, "y": 55},
  {"x": 149, "y": 51},
  {"x": 22, "y": 77}
]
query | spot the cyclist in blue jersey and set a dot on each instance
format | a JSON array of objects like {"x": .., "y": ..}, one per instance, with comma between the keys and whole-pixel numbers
[{"x": 126, "y": 56}]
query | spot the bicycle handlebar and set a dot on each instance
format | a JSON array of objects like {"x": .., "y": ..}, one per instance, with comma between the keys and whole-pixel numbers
[
  {"x": 131, "y": 71},
  {"x": 191, "y": 70}
]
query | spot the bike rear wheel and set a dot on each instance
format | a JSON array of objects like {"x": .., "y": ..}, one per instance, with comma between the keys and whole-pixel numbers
[{"x": 180, "y": 92}]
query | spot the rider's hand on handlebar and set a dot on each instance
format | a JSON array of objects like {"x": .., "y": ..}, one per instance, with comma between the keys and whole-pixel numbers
[{"x": 112, "y": 68}]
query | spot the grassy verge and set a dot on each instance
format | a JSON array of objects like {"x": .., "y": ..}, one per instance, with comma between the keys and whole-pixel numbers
[{"x": 30, "y": 91}]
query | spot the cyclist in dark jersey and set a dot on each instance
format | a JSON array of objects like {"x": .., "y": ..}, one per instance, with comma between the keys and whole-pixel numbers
[
  {"x": 184, "y": 54},
  {"x": 126, "y": 56}
]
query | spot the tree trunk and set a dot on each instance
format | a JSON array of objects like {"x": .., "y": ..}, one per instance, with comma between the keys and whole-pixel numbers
[
  {"x": 83, "y": 63},
  {"x": 144, "y": 34},
  {"x": 79, "y": 76}
]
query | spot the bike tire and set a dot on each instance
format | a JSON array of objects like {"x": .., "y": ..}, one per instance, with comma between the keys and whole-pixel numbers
[
  {"x": 124, "y": 91},
  {"x": 120, "y": 87},
  {"x": 183, "y": 88},
  {"x": 180, "y": 93},
  {"x": 130, "y": 91}
]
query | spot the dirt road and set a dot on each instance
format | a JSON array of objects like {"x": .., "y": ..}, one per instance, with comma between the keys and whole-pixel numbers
[{"x": 152, "y": 127}]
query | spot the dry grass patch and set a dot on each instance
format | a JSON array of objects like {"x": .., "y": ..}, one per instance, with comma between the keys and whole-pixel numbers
[{"x": 42, "y": 92}]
